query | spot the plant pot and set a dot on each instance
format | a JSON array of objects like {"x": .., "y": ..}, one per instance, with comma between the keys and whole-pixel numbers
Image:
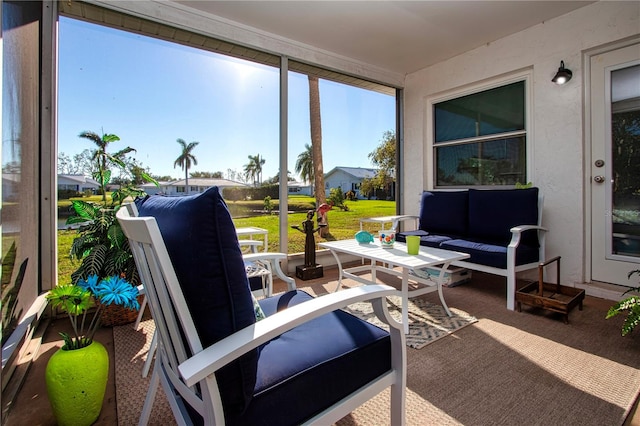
[
  {"x": 76, "y": 384},
  {"x": 115, "y": 315}
]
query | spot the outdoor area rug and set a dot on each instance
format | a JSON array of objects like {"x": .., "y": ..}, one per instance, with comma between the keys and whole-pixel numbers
[
  {"x": 131, "y": 348},
  {"x": 428, "y": 322}
]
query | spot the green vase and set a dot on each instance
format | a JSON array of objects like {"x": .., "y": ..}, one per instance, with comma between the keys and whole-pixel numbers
[{"x": 76, "y": 383}]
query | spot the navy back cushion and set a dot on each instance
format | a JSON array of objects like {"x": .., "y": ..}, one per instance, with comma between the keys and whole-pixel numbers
[
  {"x": 444, "y": 212},
  {"x": 492, "y": 213},
  {"x": 203, "y": 246}
]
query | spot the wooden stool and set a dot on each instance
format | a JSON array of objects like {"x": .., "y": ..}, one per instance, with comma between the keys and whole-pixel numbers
[{"x": 552, "y": 297}]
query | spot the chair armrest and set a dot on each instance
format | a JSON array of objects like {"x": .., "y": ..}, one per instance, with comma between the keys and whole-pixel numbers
[
  {"x": 273, "y": 258},
  {"x": 211, "y": 359},
  {"x": 253, "y": 257}
]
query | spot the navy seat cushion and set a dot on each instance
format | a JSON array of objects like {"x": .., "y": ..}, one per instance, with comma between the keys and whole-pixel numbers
[
  {"x": 401, "y": 237},
  {"x": 434, "y": 240},
  {"x": 492, "y": 213},
  {"x": 444, "y": 213},
  {"x": 293, "y": 369},
  {"x": 492, "y": 255},
  {"x": 201, "y": 241}
]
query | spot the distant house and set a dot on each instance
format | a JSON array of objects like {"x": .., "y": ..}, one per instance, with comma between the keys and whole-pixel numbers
[
  {"x": 347, "y": 178},
  {"x": 78, "y": 183},
  {"x": 196, "y": 185},
  {"x": 152, "y": 189},
  {"x": 299, "y": 188}
]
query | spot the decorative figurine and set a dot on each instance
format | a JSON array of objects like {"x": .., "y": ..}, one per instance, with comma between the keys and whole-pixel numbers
[
  {"x": 323, "y": 222},
  {"x": 363, "y": 237},
  {"x": 311, "y": 269}
]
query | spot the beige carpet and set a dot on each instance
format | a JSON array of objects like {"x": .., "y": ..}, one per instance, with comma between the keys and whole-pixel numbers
[
  {"x": 131, "y": 348},
  {"x": 507, "y": 368},
  {"x": 428, "y": 322}
]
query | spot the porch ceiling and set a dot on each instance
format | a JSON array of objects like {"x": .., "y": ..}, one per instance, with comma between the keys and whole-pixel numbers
[{"x": 397, "y": 36}]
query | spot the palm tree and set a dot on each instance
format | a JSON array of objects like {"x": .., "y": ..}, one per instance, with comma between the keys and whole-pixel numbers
[
  {"x": 316, "y": 144},
  {"x": 185, "y": 159},
  {"x": 304, "y": 165},
  {"x": 253, "y": 170},
  {"x": 103, "y": 160}
]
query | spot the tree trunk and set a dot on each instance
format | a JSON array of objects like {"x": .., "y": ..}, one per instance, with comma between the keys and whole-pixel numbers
[
  {"x": 316, "y": 147},
  {"x": 186, "y": 180}
]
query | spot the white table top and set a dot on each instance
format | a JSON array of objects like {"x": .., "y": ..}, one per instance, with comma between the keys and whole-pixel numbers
[
  {"x": 251, "y": 230},
  {"x": 397, "y": 255}
]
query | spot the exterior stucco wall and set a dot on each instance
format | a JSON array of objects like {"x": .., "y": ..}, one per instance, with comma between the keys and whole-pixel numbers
[{"x": 556, "y": 134}]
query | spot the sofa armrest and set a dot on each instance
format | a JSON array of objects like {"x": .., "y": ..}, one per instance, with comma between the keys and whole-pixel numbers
[
  {"x": 516, "y": 233},
  {"x": 211, "y": 359}
]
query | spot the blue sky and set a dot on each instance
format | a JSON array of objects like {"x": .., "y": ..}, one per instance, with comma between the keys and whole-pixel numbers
[{"x": 150, "y": 93}]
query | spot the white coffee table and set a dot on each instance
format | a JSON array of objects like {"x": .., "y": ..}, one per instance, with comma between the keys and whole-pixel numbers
[{"x": 390, "y": 259}]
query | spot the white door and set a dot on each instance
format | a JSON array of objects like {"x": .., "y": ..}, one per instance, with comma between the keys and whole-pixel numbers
[{"x": 615, "y": 165}]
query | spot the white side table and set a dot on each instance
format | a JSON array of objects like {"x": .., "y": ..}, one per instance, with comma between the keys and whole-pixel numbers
[
  {"x": 250, "y": 231},
  {"x": 394, "y": 220}
]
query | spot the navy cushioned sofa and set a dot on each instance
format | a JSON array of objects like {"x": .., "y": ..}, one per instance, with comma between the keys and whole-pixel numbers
[{"x": 499, "y": 229}]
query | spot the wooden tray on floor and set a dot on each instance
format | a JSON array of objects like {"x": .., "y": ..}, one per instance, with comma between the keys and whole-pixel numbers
[{"x": 552, "y": 297}]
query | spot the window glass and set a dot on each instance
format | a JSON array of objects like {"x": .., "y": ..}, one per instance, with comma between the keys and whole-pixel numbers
[
  {"x": 152, "y": 92},
  {"x": 490, "y": 112},
  {"x": 496, "y": 162},
  {"x": 480, "y": 139},
  {"x": 20, "y": 188},
  {"x": 354, "y": 122}
]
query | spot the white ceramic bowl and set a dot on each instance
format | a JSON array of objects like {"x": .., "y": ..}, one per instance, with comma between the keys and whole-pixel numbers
[{"x": 387, "y": 238}]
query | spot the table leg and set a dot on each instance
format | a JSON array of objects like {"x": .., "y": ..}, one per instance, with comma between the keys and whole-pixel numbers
[
  {"x": 443, "y": 271},
  {"x": 405, "y": 300},
  {"x": 339, "y": 270},
  {"x": 374, "y": 269}
]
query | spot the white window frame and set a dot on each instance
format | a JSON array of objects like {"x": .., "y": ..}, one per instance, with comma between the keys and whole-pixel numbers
[{"x": 430, "y": 165}]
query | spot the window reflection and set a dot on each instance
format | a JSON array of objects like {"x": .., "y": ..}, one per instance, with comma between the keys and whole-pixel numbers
[{"x": 20, "y": 124}]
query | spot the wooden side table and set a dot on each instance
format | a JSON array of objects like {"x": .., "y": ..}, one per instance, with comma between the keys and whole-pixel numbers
[{"x": 552, "y": 297}]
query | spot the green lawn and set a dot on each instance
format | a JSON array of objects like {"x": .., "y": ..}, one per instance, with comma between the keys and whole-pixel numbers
[{"x": 342, "y": 225}]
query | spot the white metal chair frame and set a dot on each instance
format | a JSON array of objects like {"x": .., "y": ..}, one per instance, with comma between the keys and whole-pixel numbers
[
  {"x": 259, "y": 264},
  {"x": 179, "y": 372}
]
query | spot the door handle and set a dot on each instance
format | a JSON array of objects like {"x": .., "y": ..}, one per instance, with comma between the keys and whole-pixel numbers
[{"x": 598, "y": 179}]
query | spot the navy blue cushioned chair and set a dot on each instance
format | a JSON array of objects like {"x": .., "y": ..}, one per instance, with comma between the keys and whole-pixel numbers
[{"x": 306, "y": 362}]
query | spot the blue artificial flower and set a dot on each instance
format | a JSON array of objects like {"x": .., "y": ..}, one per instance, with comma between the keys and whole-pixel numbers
[
  {"x": 91, "y": 284},
  {"x": 118, "y": 291}
]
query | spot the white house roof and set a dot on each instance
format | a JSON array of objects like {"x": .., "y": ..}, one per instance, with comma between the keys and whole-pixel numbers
[
  {"x": 222, "y": 183},
  {"x": 207, "y": 182},
  {"x": 77, "y": 179},
  {"x": 357, "y": 172},
  {"x": 294, "y": 183},
  {"x": 152, "y": 185}
]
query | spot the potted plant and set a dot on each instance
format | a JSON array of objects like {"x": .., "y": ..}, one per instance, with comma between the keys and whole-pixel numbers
[
  {"x": 630, "y": 305},
  {"x": 76, "y": 375},
  {"x": 101, "y": 246}
]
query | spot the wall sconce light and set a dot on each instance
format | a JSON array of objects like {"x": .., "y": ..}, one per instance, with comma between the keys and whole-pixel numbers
[{"x": 563, "y": 75}]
